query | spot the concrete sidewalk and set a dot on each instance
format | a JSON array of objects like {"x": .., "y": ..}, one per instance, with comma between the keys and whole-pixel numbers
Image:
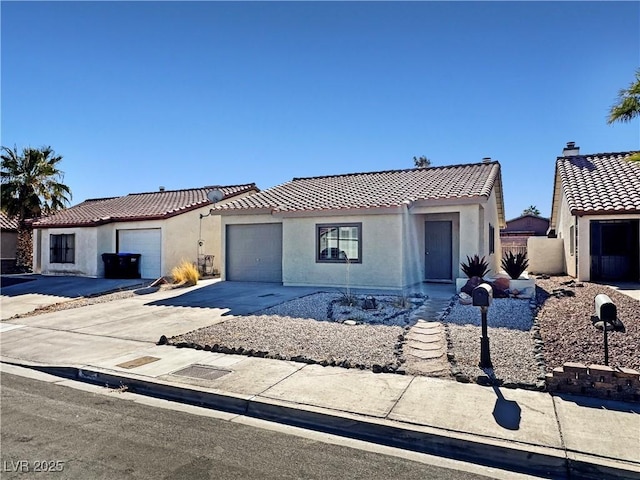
[{"x": 518, "y": 430}]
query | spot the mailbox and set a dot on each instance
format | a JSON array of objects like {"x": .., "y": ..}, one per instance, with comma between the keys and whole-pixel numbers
[
  {"x": 606, "y": 310},
  {"x": 482, "y": 295}
]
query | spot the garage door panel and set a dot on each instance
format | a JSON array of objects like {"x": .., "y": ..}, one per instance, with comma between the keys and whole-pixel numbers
[
  {"x": 148, "y": 243},
  {"x": 254, "y": 252}
]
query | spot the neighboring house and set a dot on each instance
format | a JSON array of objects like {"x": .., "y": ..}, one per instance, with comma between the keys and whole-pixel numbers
[
  {"x": 396, "y": 228},
  {"x": 165, "y": 227},
  {"x": 514, "y": 236},
  {"x": 9, "y": 235},
  {"x": 596, "y": 211}
]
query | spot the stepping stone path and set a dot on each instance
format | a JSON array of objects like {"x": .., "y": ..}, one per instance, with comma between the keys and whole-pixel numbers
[{"x": 425, "y": 348}]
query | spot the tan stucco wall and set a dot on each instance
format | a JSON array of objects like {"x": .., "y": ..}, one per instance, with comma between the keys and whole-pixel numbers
[
  {"x": 546, "y": 255},
  {"x": 381, "y": 265},
  {"x": 392, "y": 244},
  {"x": 180, "y": 235},
  {"x": 473, "y": 231},
  {"x": 415, "y": 248},
  {"x": 565, "y": 221},
  {"x": 85, "y": 255}
]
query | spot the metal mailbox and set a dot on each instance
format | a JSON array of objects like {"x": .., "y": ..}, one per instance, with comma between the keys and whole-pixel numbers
[
  {"x": 606, "y": 310},
  {"x": 482, "y": 295}
]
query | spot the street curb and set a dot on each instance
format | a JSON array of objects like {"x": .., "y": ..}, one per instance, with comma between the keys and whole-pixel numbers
[{"x": 512, "y": 456}]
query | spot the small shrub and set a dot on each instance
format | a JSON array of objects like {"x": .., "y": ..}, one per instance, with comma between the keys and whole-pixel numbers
[
  {"x": 475, "y": 267},
  {"x": 514, "y": 265},
  {"x": 347, "y": 299},
  {"x": 185, "y": 274}
]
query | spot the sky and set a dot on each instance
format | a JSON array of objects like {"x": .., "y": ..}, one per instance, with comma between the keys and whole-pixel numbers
[{"x": 138, "y": 95}]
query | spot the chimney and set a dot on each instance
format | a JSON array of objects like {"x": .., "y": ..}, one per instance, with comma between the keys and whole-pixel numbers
[
  {"x": 486, "y": 160},
  {"x": 161, "y": 188},
  {"x": 570, "y": 150}
]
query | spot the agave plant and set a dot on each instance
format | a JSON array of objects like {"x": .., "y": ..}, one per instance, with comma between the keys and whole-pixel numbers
[
  {"x": 514, "y": 265},
  {"x": 475, "y": 267}
]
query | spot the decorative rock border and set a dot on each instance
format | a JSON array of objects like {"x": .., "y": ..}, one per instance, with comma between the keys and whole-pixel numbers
[{"x": 595, "y": 380}]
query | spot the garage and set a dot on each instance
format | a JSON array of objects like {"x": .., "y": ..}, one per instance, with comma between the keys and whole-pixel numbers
[
  {"x": 254, "y": 252},
  {"x": 614, "y": 250},
  {"x": 148, "y": 243}
]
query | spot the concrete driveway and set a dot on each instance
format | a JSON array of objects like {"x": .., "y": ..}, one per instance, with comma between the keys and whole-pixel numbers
[
  {"x": 90, "y": 333},
  {"x": 25, "y": 293}
]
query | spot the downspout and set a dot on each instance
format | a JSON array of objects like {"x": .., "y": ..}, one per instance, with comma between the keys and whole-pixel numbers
[{"x": 575, "y": 229}]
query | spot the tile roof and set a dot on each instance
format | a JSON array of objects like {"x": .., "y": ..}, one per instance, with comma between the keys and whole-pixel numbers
[
  {"x": 600, "y": 183},
  {"x": 8, "y": 223},
  {"x": 375, "y": 189},
  {"x": 139, "y": 206}
]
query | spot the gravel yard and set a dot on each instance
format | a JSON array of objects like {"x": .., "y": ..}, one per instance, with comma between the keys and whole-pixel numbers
[
  {"x": 568, "y": 332},
  {"x": 311, "y": 329},
  {"x": 511, "y": 338}
]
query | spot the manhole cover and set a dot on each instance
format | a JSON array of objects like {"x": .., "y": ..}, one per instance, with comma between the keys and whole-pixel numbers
[
  {"x": 203, "y": 372},
  {"x": 137, "y": 362}
]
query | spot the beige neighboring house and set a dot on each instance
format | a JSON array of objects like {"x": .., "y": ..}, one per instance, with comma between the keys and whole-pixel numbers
[
  {"x": 388, "y": 229},
  {"x": 165, "y": 227},
  {"x": 9, "y": 235},
  {"x": 596, "y": 213}
]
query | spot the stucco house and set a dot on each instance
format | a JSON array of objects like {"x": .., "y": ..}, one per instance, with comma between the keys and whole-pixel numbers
[
  {"x": 596, "y": 212},
  {"x": 165, "y": 227},
  {"x": 388, "y": 229},
  {"x": 518, "y": 230},
  {"x": 9, "y": 236}
]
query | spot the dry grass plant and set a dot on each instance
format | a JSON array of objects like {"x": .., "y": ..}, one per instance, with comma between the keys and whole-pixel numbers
[{"x": 185, "y": 274}]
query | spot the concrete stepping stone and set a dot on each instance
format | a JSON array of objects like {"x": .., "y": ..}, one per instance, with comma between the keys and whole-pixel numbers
[
  {"x": 423, "y": 339},
  {"x": 437, "y": 345},
  {"x": 425, "y": 354}
]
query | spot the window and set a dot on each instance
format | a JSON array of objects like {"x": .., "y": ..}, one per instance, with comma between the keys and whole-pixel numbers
[
  {"x": 62, "y": 248},
  {"x": 492, "y": 239},
  {"x": 339, "y": 243},
  {"x": 572, "y": 240}
]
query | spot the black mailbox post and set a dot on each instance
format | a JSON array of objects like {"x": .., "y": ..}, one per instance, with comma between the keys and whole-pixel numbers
[
  {"x": 606, "y": 312},
  {"x": 482, "y": 296}
]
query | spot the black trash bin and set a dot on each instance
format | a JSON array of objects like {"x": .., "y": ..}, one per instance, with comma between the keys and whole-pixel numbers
[{"x": 121, "y": 265}]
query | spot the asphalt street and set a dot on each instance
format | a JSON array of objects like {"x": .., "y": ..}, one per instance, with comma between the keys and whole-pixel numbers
[{"x": 57, "y": 432}]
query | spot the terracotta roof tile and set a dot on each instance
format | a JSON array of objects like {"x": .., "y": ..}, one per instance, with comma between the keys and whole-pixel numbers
[
  {"x": 374, "y": 189},
  {"x": 8, "y": 223},
  {"x": 600, "y": 183},
  {"x": 139, "y": 206}
]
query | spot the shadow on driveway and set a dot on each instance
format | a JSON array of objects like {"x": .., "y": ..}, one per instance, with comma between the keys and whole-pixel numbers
[
  {"x": 240, "y": 298},
  {"x": 64, "y": 286}
]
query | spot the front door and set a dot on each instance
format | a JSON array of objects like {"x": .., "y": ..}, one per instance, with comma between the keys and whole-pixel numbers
[{"x": 438, "y": 250}]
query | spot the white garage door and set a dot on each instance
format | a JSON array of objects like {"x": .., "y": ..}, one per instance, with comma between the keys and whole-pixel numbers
[{"x": 148, "y": 243}]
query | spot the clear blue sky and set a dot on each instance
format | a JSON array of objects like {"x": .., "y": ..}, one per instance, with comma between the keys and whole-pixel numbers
[{"x": 135, "y": 95}]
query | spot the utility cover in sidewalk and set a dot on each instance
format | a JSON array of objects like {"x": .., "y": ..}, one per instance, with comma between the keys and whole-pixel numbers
[
  {"x": 137, "y": 362},
  {"x": 203, "y": 372}
]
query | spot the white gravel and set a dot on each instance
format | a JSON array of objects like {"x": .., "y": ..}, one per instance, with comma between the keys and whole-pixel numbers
[{"x": 511, "y": 339}]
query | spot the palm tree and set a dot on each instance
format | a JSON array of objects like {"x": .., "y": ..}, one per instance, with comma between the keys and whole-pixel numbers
[
  {"x": 627, "y": 108},
  {"x": 421, "y": 162},
  {"x": 628, "y": 105},
  {"x": 531, "y": 210},
  {"x": 31, "y": 187}
]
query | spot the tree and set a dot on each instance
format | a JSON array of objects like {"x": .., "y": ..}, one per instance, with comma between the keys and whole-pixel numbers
[
  {"x": 627, "y": 108},
  {"x": 531, "y": 210},
  {"x": 31, "y": 187},
  {"x": 628, "y": 105},
  {"x": 421, "y": 162}
]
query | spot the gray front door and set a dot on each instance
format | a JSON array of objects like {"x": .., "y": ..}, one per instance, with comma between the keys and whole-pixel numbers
[
  {"x": 437, "y": 250},
  {"x": 254, "y": 252}
]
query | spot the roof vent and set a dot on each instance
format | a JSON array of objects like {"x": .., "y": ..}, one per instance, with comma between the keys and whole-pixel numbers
[
  {"x": 570, "y": 150},
  {"x": 486, "y": 160},
  {"x": 161, "y": 188}
]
